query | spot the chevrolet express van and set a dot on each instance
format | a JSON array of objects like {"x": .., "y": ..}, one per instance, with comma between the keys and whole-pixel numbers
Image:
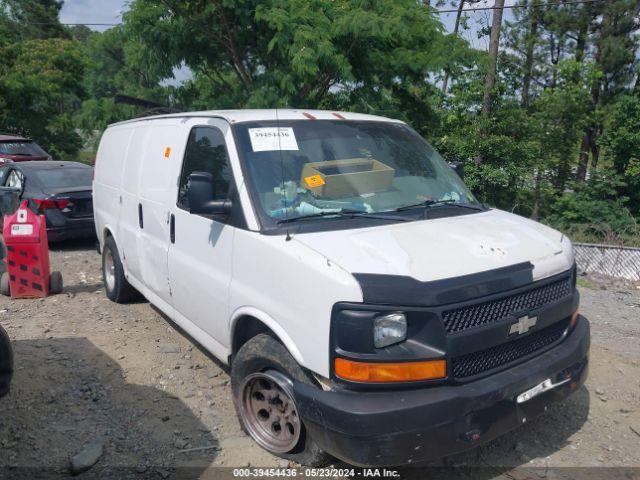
[{"x": 369, "y": 307}]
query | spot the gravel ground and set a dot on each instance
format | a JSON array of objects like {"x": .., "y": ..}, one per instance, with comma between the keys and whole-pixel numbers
[{"x": 125, "y": 380}]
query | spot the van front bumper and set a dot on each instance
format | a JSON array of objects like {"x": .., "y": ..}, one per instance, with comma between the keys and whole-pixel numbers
[{"x": 399, "y": 427}]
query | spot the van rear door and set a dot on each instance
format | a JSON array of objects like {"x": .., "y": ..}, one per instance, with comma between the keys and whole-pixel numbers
[{"x": 107, "y": 184}]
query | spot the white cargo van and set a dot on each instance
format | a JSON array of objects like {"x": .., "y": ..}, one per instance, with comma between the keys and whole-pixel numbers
[{"x": 368, "y": 306}]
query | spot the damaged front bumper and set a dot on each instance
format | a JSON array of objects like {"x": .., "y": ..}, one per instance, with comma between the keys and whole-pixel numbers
[{"x": 391, "y": 428}]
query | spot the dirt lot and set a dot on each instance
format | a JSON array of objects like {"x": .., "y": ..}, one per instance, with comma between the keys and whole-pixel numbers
[{"x": 123, "y": 376}]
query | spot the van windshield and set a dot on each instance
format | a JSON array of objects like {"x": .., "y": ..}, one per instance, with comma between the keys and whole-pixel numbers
[{"x": 314, "y": 168}]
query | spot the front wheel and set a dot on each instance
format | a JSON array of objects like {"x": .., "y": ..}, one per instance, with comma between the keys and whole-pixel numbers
[{"x": 262, "y": 376}]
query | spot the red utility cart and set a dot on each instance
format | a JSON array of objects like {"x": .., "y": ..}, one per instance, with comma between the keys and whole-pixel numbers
[{"x": 28, "y": 274}]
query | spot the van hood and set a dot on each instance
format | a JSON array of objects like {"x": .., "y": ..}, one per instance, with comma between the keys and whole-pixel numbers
[{"x": 436, "y": 249}]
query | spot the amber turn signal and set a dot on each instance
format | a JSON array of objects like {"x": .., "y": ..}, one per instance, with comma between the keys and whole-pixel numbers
[
  {"x": 390, "y": 372},
  {"x": 574, "y": 319}
]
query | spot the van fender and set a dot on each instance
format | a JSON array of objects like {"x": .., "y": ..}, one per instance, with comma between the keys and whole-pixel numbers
[
  {"x": 272, "y": 324},
  {"x": 107, "y": 231}
]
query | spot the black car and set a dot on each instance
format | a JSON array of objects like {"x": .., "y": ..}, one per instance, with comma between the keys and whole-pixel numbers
[{"x": 61, "y": 191}]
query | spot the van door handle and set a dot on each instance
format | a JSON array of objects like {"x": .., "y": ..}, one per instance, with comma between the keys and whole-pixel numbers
[
  {"x": 140, "y": 219},
  {"x": 172, "y": 228}
]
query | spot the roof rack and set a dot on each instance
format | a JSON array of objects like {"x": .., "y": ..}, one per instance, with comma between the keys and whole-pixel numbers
[{"x": 152, "y": 108}]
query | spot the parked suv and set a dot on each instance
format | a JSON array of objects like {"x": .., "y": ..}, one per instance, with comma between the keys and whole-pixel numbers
[
  {"x": 369, "y": 306},
  {"x": 19, "y": 149}
]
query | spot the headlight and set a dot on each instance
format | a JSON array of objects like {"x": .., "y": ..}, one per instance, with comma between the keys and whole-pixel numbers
[
  {"x": 389, "y": 329},
  {"x": 567, "y": 248}
]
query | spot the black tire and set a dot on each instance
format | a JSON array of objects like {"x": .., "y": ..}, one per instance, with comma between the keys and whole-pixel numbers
[
  {"x": 121, "y": 291},
  {"x": 6, "y": 362},
  {"x": 55, "y": 283},
  {"x": 264, "y": 353},
  {"x": 5, "y": 289}
]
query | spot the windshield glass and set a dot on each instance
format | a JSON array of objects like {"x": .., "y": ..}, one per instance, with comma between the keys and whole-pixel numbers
[
  {"x": 307, "y": 168},
  {"x": 29, "y": 149}
]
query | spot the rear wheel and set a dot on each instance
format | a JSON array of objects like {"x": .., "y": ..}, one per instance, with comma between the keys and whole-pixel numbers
[
  {"x": 4, "y": 284},
  {"x": 117, "y": 288},
  {"x": 262, "y": 376}
]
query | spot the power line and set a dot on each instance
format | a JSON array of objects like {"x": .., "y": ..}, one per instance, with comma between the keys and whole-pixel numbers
[
  {"x": 454, "y": 10},
  {"x": 534, "y": 5},
  {"x": 73, "y": 24}
]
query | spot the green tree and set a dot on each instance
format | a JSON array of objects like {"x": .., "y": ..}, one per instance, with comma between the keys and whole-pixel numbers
[
  {"x": 30, "y": 20},
  {"x": 40, "y": 84},
  {"x": 115, "y": 65},
  {"x": 304, "y": 53},
  {"x": 621, "y": 143}
]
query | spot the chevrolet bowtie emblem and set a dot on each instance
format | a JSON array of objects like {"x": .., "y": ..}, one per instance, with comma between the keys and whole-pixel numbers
[{"x": 523, "y": 325}]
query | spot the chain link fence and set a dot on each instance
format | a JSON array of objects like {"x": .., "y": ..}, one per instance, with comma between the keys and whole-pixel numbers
[{"x": 609, "y": 260}]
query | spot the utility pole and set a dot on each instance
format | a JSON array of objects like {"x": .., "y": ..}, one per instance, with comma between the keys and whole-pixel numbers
[
  {"x": 456, "y": 28},
  {"x": 494, "y": 46}
]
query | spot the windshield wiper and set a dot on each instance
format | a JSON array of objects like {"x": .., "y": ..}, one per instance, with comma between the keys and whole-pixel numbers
[
  {"x": 436, "y": 203},
  {"x": 344, "y": 213}
]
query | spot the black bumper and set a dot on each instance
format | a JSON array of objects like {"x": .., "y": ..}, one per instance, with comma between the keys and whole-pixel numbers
[
  {"x": 85, "y": 229},
  {"x": 392, "y": 428},
  {"x": 61, "y": 227}
]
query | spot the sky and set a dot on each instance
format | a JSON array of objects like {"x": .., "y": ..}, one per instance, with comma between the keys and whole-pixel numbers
[
  {"x": 93, "y": 11},
  {"x": 110, "y": 11}
]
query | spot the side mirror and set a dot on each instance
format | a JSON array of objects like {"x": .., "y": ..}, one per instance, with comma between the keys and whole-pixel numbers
[
  {"x": 200, "y": 196},
  {"x": 457, "y": 167}
]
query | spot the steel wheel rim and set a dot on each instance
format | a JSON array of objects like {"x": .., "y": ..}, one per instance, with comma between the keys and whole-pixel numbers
[
  {"x": 109, "y": 269},
  {"x": 269, "y": 412}
]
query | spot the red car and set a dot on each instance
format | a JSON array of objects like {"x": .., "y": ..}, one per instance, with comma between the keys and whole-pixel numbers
[{"x": 20, "y": 149}]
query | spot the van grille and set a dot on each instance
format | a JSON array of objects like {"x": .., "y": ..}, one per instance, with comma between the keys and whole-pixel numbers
[
  {"x": 507, "y": 353},
  {"x": 493, "y": 311}
]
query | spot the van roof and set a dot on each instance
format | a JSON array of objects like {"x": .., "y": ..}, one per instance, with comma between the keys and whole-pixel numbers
[{"x": 237, "y": 116}]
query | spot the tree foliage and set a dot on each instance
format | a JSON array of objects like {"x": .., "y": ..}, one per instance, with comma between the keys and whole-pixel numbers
[
  {"x": 553, "y": 134},
  {"x": 41, "y": 75},
  {"x": 303, "y": 53}
]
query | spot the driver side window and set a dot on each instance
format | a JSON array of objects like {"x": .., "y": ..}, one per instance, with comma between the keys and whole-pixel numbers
[{"x": 205, "y": 152}]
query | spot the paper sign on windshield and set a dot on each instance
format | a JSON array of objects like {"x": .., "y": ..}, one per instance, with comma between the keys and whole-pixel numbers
[{"x": 272, "y": 139}]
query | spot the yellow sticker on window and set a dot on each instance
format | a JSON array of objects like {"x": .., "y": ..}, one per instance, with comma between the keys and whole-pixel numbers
[
  {"x": 167, "y": 152},
  {"x": 314, "y": 181}
]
